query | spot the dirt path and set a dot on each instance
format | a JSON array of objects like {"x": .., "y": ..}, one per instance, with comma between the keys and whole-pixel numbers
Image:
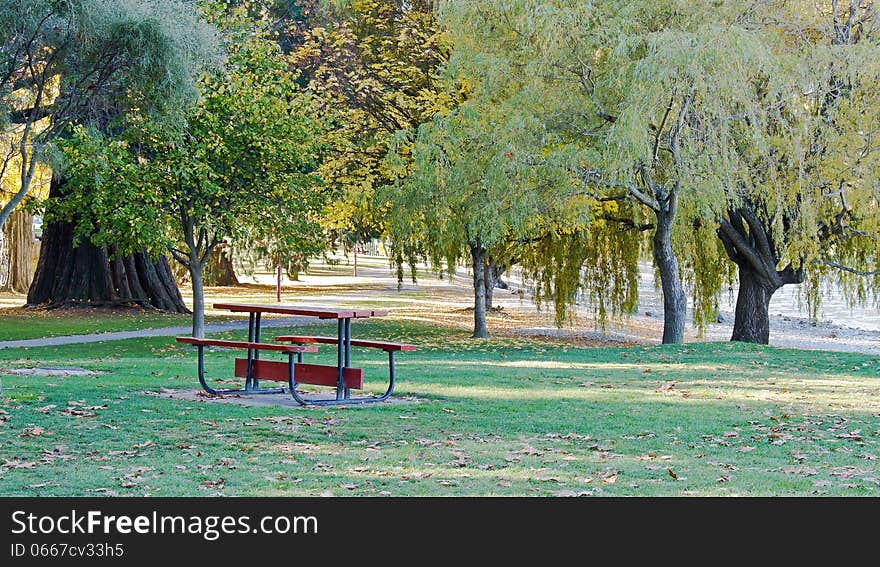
[{"x": 160, "y": 332}]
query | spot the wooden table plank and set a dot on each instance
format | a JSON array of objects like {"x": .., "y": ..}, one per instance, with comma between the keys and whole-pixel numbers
[{"x": 319, "y": 312}]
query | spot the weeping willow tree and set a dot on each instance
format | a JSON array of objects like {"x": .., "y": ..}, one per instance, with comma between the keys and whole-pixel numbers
[
  {"x": 631, "y": 92},
  {"x": 805, "y": 203},
  {"x": 756, "y": 122},
  {"x": 482, "y": 185}
]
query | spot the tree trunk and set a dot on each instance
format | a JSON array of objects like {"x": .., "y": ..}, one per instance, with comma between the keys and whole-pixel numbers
[
  {"x": 219, "y": 269},
  {"x": 493, "y": 272},
  {"x": 478, "y": 259},
  {"x": 751, "y": 322},
  {"x": 83, "y": 274},
  {"x": 17, "y": 248},
  {"x": 198, "y": 290},
  {"x": 751, "y": 245},
  {"x": 674, "y": 297}
]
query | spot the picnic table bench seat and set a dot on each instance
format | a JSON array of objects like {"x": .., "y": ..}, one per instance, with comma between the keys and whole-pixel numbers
[
  {"x": 384, "y": 345},
  {"x": 247, "y": 345},
  {"x": 344, "y": 354},
  {"x": 252, "y": 369}
]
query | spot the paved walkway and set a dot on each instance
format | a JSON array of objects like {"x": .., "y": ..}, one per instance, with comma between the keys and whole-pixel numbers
[{"x": 161, "y": 332}]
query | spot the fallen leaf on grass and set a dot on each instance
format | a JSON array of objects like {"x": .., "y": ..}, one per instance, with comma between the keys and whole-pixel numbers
[
  {"x": 544, "y": 478},
  {"x": 35, "y": 431},
  {"x": 799, "y": 469},
  {"x": 723, "y": 478},
  {"x": 610, "y": 477},
  {"x": 416, "y": 476},
  {"x": 671, "y": 473},
  {"x": 349, "y": 486},
  {"x": 727, "y": 466},
  {"x": 854, "y": 435},
  {"x": 666, "y": 387},
  {"x": 216, "y": 484},
  {"x": 505, "y": 483},
  {"x": 46, "y": 409},
  {"x": 16, "y": 464},
  {"x": 73, "y": 412}
]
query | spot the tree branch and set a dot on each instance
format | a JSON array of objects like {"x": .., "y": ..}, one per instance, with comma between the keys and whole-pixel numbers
[
  {"x": 847, "y": 268},
  {"x": 758, "y": 233},
  {"x": 629, "y": 223},
  {"x": 745, "y": 251},
  {"x": 179, "y": 256}
]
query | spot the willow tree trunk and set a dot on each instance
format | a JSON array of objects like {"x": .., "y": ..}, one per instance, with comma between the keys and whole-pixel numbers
[
  {"x": 493, "y": 273},
  {"x": 478, "y": 261},
  {"x": 751, "y": 322},
  {"x": 83, "y": 274},
  {"x": 749, "y": 242},
  {"x": 674, "y": 296},
  {"x": 17, "y": 248}
]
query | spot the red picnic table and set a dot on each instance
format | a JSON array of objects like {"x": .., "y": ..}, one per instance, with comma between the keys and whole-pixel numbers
[{"x": 342, "y": 375}]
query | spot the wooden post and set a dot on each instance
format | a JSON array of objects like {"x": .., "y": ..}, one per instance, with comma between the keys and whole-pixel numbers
[
  {"x": 355, "y": 260},
  {"x": 278, "y": 281}
]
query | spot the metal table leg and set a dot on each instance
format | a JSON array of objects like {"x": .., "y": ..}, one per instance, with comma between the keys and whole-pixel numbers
[
  {"x": 250, "y": 359},
  {"x": 347, "y": 391},
  {"x": 255, "y": 383},
  {"x": 340, "y": 351}
]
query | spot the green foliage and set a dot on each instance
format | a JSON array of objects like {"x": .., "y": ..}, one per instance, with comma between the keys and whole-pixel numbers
[
  {"x": 375, "y": 64},
  {"x": 110, "y": 56},
  {"x": 815, "y": 179},
  {"x": 93, "y": 62},
  {"x": 242, "y": 165},
  {"x": 708, "y": 104}
]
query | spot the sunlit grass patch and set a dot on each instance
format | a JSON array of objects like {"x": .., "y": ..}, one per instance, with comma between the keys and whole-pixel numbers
[{"x": 501, "y": 417}]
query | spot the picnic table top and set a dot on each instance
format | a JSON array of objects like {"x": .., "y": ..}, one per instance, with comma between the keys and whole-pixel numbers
[{"x": 320, "y": 312}]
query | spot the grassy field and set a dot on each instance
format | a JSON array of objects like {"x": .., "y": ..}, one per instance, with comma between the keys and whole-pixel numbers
[
  {"x": 20, "y": 323},
  {"x": 500, "y": 417}
]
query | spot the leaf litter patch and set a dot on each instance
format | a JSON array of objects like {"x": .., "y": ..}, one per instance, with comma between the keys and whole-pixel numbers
[{"x": 53, "y": 371}]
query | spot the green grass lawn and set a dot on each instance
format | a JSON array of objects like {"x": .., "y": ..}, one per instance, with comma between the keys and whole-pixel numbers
[
  {"x": 17, "y": 325},
  {"x": 503, "y": 417}
]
